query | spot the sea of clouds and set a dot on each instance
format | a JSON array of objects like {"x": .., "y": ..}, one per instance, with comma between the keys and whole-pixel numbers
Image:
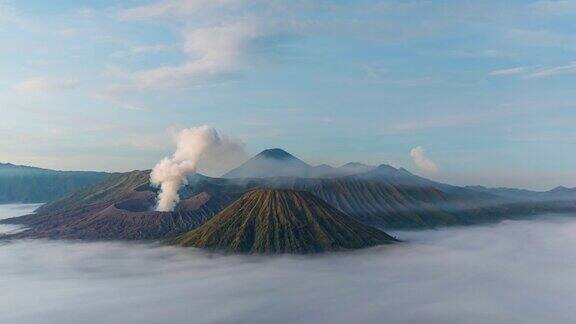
[
  {"x": 512, "y": 272},
  {"x": 13, "y": 210}
]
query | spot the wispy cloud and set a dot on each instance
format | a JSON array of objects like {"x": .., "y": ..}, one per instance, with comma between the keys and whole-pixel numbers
[
  {"x": 541, "y": 38},
  {"x": 142, "y": 49},
  {"x": 485, "y": 53},
  {"x": 557, "y": 7},
  {"x": 115, "y": 95},
  {"x": 213, "y": 47},
  {"x": 7, "y": 14},
  {"x": 529, "y": 73},
  {"x": 569, "y": 68},
  {"x": 45, "y": 85},
  {"x": 457, "y": 120},
  {"x": 433, "y": 122},
  {"x": 166, "y": 8},
  {"x": 211, "y": 51},
  {"x": 510, "y": 71}
]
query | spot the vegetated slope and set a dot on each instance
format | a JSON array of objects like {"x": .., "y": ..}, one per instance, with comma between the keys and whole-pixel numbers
[
  {"x": 120, "y": 208},
  {"x": 282, "y": 221},
  {"x": 24, "y": 184},
  {"x": 396, "y": 199}
]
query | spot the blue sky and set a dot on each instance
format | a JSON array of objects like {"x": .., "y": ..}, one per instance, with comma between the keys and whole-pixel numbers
[{"x": 485, "y": 88}]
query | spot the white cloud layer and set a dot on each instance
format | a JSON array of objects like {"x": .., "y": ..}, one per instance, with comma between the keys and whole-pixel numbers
[
  {"x": 513, "y": 272},
  {"x": 45, "y": 85},
  {"x": 422, "y": 162}
]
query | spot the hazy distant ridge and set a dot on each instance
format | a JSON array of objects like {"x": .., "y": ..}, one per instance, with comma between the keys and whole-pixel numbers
[
  {"x": 279, "y": 163},
  {"x": 24, "y": 184}
]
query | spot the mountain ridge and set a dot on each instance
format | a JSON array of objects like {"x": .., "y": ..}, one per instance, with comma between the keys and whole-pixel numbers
[
  {"x": 27, "y": 184},
  {"x": 277, "y": 162},
  {"x": 387, "y": 197}
]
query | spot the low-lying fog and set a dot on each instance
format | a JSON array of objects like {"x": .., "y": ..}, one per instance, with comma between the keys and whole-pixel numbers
[
  {"x": 13, "y": 210},
  {"x": 513, "y": 272}
]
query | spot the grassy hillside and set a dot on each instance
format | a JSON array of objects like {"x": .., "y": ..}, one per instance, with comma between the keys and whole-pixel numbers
[{"x": 282, "y": 221}]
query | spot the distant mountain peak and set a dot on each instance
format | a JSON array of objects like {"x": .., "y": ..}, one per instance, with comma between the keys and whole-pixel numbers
[
  {"x": 12, "y": 165},
  {"x": 405, "y": 171},
  {"x": 387, "y": 167},
  {"x": 273, "y": 162},
  {"x": 561, "y": 189},
  {"x": 354, "y": 165},
  {"x": 276, "y": 154}
]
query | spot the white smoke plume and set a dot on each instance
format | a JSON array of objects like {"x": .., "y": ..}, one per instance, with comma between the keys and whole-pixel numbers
[
  {"x": 421, "y": 161},
  {"x": 196, "y": 147}
]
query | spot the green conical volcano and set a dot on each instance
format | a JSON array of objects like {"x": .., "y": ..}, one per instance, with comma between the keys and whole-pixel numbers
[{"x": 282, "y": 221}]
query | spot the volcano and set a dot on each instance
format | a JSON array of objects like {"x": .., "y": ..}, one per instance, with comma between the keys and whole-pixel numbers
[
  {"x": 121, "y": 206},
  {"x": 276, "y": 162},
  {"x": 269, "y": 221},
  {"x": 271, "y": 163}
]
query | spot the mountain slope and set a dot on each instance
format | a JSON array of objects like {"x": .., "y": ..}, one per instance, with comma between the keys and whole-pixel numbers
[
  {"x": 354, "y": 168},
  {"x": 119, "y": 208},
  {"x": 279, "y": 163},
  {"x": 282, "y": 221},
  {"x": 24, "y": 184},
  {"x": 561, "y": 192},
  {"x": 271, "y": 163},
  {"x": 556, "y": 194}
]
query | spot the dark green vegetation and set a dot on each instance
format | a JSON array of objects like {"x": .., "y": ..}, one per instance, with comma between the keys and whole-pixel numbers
[
  {"x": 23, "y": 184},
  {"x": 282, "y": 221}
]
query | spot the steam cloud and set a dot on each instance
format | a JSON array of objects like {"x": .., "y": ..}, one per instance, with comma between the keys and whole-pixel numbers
[
  {"x": 421, "y": 161},
  {"x": 196, "y": 147}
]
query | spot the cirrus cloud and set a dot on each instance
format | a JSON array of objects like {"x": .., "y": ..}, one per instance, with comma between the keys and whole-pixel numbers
[
  {"x": 556, "y": 7},
  {"x": 569, "y": 68},
  {"x": 45, "y": 85},
  {"x": 510, "y": 71},
  {"x": 165, "y": 8}
]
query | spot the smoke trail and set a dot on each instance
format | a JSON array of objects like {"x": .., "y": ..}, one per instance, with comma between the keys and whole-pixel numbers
[{"x": 194, "y": 146}]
